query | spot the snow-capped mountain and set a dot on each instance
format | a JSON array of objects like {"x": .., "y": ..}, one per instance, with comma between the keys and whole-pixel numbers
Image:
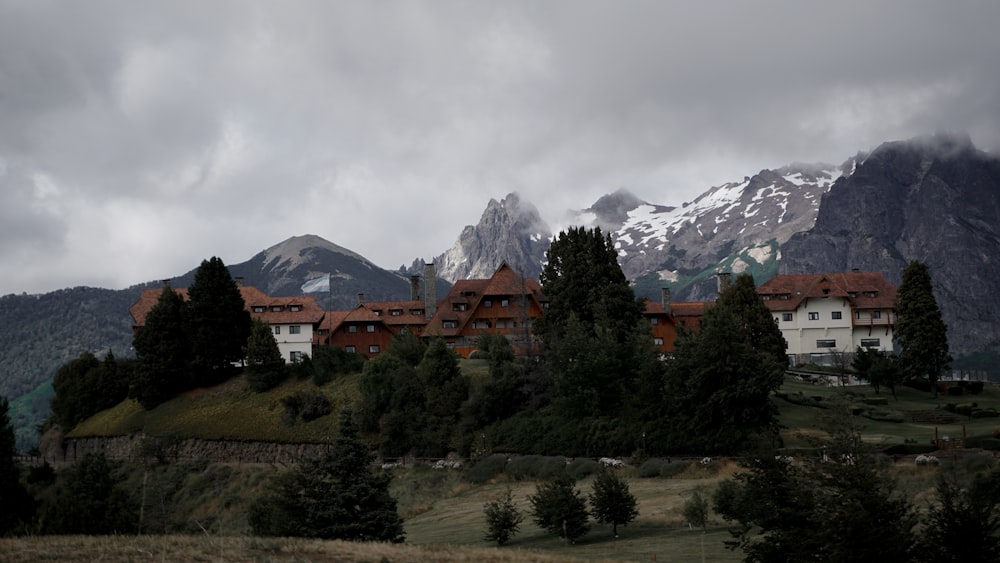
[{"x": 735, "y": 227}]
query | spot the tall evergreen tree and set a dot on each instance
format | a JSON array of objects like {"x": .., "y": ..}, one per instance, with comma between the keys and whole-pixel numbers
[
  {"x": 163, "y": 350},
  {"x": 89, "y": 498},
  {"x": 721, "y": 377},
  {"x": 73, "y": 385},
  {"x": 16, "y": 504},
  {"x": 445, "y": 389},
  {"x": 965, "y": 524},
  {"x": 920, "y": 332},
  {"x": 218, "y": 321},
  {"x": 265, "y": 366},
  {"x": 590, "y": 321},
  {"x": 337, "y": 496}
]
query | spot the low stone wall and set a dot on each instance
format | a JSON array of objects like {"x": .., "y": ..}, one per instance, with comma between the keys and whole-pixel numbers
[{"x": 135, "y": 446}]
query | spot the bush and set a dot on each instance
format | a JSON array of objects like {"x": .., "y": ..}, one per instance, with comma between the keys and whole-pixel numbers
[
  {"x": 985, "y": 442},
  {"x": 985, "y": 413},
  {"x": 307, "y": 405},
  {"x": 975, "y": 387},
  {"x": 580, "y": 468},
  {"x": 535, "y": 467},
  {"x": 956, "y": 391},
  {"x": 651, "y": 468},
  {"x": 485, "y": 469},
  {"x": 884, "y": 416},
  {"x": 875, "y": 400},
  {"x": 909, "y": 449}
]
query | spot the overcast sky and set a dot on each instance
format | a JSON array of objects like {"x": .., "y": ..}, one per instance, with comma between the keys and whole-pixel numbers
[{"x": 138, "y": 138}]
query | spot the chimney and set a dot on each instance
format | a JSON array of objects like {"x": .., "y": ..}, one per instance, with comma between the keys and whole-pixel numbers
[
  {"x": 430, "y": 291},
  {"x": 414, "y": 288},
  {"x": 361, "y": 299},
  {"x": 166, "y": 282},
  {"x": 724, "y": 280},
  {"x": 666, "y": 300},
  {"x": 239, "y": 281}
]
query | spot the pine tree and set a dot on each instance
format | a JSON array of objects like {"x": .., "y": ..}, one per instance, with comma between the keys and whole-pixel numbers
[
  {"x": 612, "y": 502},
  {"x": 218, "y": 321},
  {"x": 163, "y": 350},
  {"x": 560, "y": 509},
  {"x": 445, "y": 389},
  {"x": 920, "y": 332},
  {"x": 503, "y": 519},
  {"x": 16, "y": 505},
  {"x": 589, "y": 323},
  {"x": 265, "y": 366},
  {"x": 965, "y": 525},
  {"x": 337, "y": 496}
]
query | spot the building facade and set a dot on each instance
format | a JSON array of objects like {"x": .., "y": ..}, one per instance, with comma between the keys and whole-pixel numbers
[{"x": 824, "y": 316}]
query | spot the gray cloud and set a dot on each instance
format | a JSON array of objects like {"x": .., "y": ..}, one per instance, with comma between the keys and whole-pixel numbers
[{"x": 141, "y": 137}]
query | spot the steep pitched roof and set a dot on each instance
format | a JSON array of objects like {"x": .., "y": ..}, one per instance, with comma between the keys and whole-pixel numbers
[
  {"x": 864, "y": 290},
  {"x": 309, "y": 311}
]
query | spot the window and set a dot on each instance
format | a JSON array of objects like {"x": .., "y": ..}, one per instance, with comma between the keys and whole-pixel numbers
[
  {"x": 277, "y": 329},
  {"x": 276, "y": 308},
  {"x": 787, "y": 317},
  {"x": 658, "y": 341},
  {"x": 350, "y": 349},
  {"x": 765, "y": 297},
  {"x": 836, "y": 315},
  {"x": 480, "y": 323},
  {"x": 784, "y": 296},
  {"x": 654, "y": 321},
  {"x": 295, "y": 329},
  {"x": 370, "y": 328},
  {"x": 352, "y": 328},
  {"x": 814, "y": 316},
  {"x": 857, "y": 314},
  {"x": 871, "y": 293},
  {"x": 505, "y": 302},
  {"x": 295, "y": 356},
  {"x": 870, "y": 342},
  {"x": 487, "y": 303},
  {"x": 295, "y": 308},
  {"x": 459, "y": 306},
  {"x": 876, "y": 314},
  {"x": 826, "y": 343},
  {"x": 258, "y": 309},
  {"x": 449, "y": 324},
  {"x": 852, "y": 294},
  {"x": 395, "y": 312},
  {"x": 373, "y": 349}
]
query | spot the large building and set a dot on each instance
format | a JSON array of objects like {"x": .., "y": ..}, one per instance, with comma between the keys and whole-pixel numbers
[
  {"x": 294, "y": 320},
  {"x": 823, "y": 315}
]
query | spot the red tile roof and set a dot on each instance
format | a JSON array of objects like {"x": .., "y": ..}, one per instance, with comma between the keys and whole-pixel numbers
[
  {"x": 865, "y": 290},
  {"x": 309, "y": 313}
]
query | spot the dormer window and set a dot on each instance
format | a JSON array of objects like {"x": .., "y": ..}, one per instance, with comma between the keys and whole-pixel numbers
[
  {"x": 378, "y": 312},
  {"x": 487, "y": 303},
  {"x": 295, "y": 308},
  {"x": 395, "y": 312},
  {"x": 852, "y": 294},
  {"x": 765, "y": 297},
  {"x": 459, "y": 306},
  {"x": 784, "y": 296},
  {"x": 871, "y": 293},
  {"x": 258, "y": 308},
  {"x": 276, "y": 308},
  {"x": 416, "y": 311}
]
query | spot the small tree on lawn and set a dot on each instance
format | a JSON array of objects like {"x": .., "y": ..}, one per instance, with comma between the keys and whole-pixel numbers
[
  {"x": 502, "y": 519},
  {"x": 611, "y": 502},
  {"x": 696, "y": 510},
  {"x": 560, "y": 509}
]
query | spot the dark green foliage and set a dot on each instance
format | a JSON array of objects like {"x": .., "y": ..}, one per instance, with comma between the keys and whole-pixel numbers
[
  {"x": 445, "y": 389},
  {"x": 696, "y": 510},
  {"x": 265, "y": 367},
  {"x": 338, "y": 496},
  {"x": 656, "y": 467},
  {"x": 88, "y": 498},
  {"x": 307, "y": 405},
  {"x": 485, "y": 469},
  {"x": 16, "y": 505},
  {"x": 408, "y": 347},
  {"x": 611, "y": 501},
  {"x": 218, "y": 321},
  {"x": 720, "y": 379},
  {"x": 965, "y": 524},
  {"x": 86, "y": 386},
  {"x": 163, "y": 348},
  {"x": 920, "y": 332},
  {"x": 581, "y": 468},
  {"x": 327, "y": 362},
  {"x": 558, "y": 508},
  {"x": 588, "y": 330},
  {"x": 502, "y": 519},
  {"x": 879, "y": 368},
  {"x": 533, "y": 467},
  {"x": 501, "y": 396}
]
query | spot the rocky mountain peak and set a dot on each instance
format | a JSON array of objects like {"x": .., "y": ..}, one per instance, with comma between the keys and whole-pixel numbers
[{"x": 510, "y": 230}]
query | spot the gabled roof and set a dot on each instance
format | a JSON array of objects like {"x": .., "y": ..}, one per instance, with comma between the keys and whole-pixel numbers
[
  {"x": 864, "y": 290},
  {"x": 309, "y": 313}
]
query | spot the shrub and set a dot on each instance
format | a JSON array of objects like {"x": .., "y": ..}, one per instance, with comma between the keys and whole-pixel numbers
[
  {"x": 977, "y": 463},
  {"x": 985, "y": 413},
  {"x": 885, "y": 416},
  {"x": 909, "y": 449},
  {"x": 651, "y": 468},
  {"x": 502, "y": 519},
  {"x": 307, "y": 405},
  {"x": 984, "y": 442},
  {"x": 485, "y": 469},
  {"x": 875, "y": 400},
  {"x": 535, "y": 467},
  {"x": 975, "y": 387},
  {"x": 582, "y": 467},
  {"x": 956, "y": 391}
]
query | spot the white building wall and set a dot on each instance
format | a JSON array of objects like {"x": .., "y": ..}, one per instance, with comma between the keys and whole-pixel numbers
[
  {"x": 289, "y": 342},
  {"x": 814, "y": 323}
]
